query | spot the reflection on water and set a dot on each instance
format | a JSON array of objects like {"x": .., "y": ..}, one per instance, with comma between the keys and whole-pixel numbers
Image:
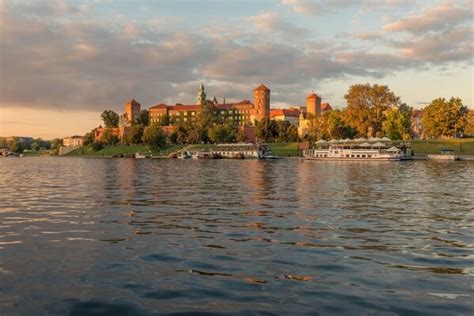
[{"x": 91, "y": 236}]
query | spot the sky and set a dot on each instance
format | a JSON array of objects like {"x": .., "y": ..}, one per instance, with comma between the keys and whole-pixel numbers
[{"x": 62, "y": 62}]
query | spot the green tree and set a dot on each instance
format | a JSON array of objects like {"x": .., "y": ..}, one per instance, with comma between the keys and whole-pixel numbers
[
  {"x": 17, "y": 145},
  {"x": 144, "y": 118},
  {"x": 222, "y": 133},
  {"x": 110, "y": 118},
  {"x": 241, "y": 137},
  {"x": 164, "y": 120},
  {"x": 266, "y": 130},
  {"x": 135, "y": 134},
  {"x": 469, "y": 129},
  {"x": 181, "y": 133},
  {"x": 108, "y": 138},
  {"x": 35, "y": 146},
  {"x": 154, "y": 136},
  {"x": 3, "y": 142},
  {"x": 366, "y": 107},
  {"x": 317, "y": 128},
  {"x": 96, "y": 145},
  {"x": 443, "y": 119},
  {"x": 56, "y": 143},
  {"x": 397, "y": 124},
  {"x": 286, "y": 132},
  {"x": 88, "y": 138}
]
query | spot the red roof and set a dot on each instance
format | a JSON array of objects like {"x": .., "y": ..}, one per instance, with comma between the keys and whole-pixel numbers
[
  {"x": 313, "y": 96},
  {"x": 181, "y": 107},
  {"x": 159, "y": 106},
  {"x": 262, "y": 87},
  {"x": 326, "y": 106},
  {"x": 133, "y": 101},
  {"x": 284, "y": 112}
]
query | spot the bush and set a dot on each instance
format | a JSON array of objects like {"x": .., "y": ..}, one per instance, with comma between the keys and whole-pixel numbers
[{"x": 154, "y": 136}]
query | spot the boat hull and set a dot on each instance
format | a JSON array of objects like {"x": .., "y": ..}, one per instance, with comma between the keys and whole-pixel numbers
[{"x": 354, "y": 159}]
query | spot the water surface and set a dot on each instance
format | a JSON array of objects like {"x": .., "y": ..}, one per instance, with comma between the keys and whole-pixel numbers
[{"x": 138, "y": 237}]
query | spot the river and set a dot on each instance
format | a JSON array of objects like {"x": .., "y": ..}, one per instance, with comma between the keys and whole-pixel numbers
[{"x": 86, "y": 236}]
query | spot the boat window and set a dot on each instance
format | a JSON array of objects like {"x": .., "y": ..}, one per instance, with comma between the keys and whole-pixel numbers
[
  {"x": 347, "y": 156},
  {"x": 358, "y": 156},
  {"x": 352, "y": 156},
  {"x": 363, "y": 156},
  {"x": 369, "y": 156}
]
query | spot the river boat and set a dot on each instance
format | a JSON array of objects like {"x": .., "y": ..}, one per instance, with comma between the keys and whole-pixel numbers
[
  {"x": 141, "y": 156},
  {"x": 355, "y": 152},
  {"x": 445, "y": 155},
  {"x": 185, "y": 155},
  {"x": 241, "y": 151}
]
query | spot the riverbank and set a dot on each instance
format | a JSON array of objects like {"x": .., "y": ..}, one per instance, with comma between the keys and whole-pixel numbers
[
  {"x": 463, "y": 147},
  {"x": 124, "y": 150}
]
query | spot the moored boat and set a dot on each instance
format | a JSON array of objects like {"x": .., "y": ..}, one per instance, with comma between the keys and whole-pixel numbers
[
  {"x": 445, "y": 155},
  {"x": 355, "y": 151}
]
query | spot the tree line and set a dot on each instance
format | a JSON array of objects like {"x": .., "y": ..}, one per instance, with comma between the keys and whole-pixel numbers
[
  {"x": 375, "y": 111},
  {"x": 20, "y": 144},
  {"x": 371, "y": 111},
  {"x": 206, "y": 127}
]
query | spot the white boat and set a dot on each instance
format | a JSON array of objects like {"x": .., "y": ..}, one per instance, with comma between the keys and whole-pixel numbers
[
  {"x": 351, "y": 151},
  {"x": 140, "y": 156},
  {"x": 446, "y": 155}
]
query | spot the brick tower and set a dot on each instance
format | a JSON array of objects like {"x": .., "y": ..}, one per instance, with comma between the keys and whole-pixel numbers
[
  {"x": 132, "y": 111},
  {"x": 261, "y": 100},
  {"x": 313, "y": 104}
]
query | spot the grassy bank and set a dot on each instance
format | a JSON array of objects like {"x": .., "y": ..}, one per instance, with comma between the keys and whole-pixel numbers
[
  {"x": 109, "y": 151},
  {"x": 420, "y": 147},
  {"x": 460, "y": 146},
  {"x": 279, "y": 149},
  {"x": 285, "y": 149}
]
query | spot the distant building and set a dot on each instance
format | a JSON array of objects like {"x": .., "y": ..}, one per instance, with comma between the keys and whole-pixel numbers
[
  {"x": 313, "y": 104},
  {"x": 73, "y": 141},
  {"x": 243, "y": 113},
  {"x": 289, "y": 115}
]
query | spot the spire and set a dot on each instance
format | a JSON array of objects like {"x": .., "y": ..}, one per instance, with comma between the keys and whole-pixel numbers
[{"x": 201, "y": 97}]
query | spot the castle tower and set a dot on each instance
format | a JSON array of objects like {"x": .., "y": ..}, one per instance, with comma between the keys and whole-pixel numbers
[
  {"x": 201, "y": 96},
  {"x": 313, "y": 104},
  {"x": 261, "y": 100},
  {"x": 132, "y": 111}
]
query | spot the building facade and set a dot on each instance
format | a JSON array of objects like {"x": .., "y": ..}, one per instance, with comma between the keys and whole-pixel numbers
[
  {"x": 73, "y": 141},
  {"x": 243, "y": 114}
]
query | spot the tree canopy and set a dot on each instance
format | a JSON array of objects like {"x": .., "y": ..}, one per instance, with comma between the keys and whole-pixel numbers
[
  {"x": 366, "y": 107},
  {"x": 154, "y": 136},
  {"x": 110, "y": 118},
  {"x": 444, "y": 119}
]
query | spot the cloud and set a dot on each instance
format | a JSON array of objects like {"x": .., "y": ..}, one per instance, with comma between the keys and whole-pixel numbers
[
  {"x": 314, "y": 7},
  {"x": 447, "y": 46},
  {"x": 432, "y": 19},
  {"x": 272, "y": 23},
  {"x": 307, "y": 7},
  {"x": 91, "y": 63}
]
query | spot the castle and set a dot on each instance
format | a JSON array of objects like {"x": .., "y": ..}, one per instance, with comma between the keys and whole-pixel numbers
[{"x": 244, "y": 114}]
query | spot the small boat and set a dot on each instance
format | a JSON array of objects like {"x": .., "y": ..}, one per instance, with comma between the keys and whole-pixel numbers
[
  {"x": 185, "y": 155},
  {"x": 140, "y": 156},
  {"x": 445, "y": 155}
]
